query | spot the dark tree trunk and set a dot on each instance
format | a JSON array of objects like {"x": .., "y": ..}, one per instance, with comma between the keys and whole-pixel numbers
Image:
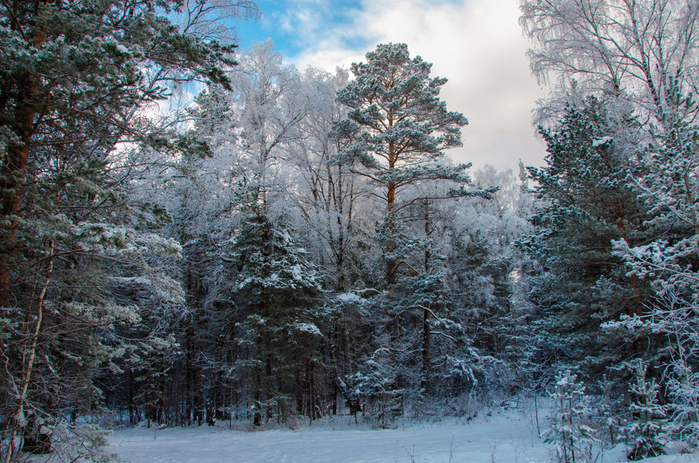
[{"x": 426, "y": 359}]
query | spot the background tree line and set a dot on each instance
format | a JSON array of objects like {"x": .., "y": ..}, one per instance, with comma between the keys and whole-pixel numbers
[{"x": 333, "y": 259}]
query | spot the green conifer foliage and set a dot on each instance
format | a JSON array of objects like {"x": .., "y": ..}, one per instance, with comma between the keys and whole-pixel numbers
[
  {"x": 277, "y": 290},
  {"x": 585, "y": 201}
]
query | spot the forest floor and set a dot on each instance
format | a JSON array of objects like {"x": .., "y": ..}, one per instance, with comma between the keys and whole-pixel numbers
[{"x": 501, "y": 435}]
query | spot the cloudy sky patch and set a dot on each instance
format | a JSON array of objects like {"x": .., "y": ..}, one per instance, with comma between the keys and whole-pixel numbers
[{"x": 476, "y": 44}]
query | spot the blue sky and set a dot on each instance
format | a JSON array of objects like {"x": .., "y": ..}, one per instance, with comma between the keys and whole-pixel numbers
[
  {"x": 291, "y": 23},
  {"x": 476, "y": 44}
]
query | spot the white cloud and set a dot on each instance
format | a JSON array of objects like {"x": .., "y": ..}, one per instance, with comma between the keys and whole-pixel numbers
[{"x": 477, "y": 45}]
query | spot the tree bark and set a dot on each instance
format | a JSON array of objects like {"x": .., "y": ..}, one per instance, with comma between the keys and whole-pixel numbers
[{"x": 14, "y": 169}]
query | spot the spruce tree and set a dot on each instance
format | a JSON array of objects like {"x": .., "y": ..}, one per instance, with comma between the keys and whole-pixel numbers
[
  {"x": 569, "y": 421},
  {"x": 648, "y": 418},
  {"x": 277, "y": 290}
]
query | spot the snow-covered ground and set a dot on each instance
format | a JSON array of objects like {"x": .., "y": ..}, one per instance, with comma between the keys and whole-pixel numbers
[{"x": 503, "y": 436}]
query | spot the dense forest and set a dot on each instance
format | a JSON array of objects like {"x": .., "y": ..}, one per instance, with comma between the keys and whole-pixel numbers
[{"x": 191, "y": 233}]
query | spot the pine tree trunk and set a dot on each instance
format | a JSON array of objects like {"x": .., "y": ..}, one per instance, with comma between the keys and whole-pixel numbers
[
  {"x": 14, "y": 169},
  {"x": 391, "y": 190},
  {"x": 426, "y": 360},
  {"x": 426, "y": 363}
]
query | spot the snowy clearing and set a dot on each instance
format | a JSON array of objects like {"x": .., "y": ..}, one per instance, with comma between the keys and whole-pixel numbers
[{"x": 506, "y": 436}]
